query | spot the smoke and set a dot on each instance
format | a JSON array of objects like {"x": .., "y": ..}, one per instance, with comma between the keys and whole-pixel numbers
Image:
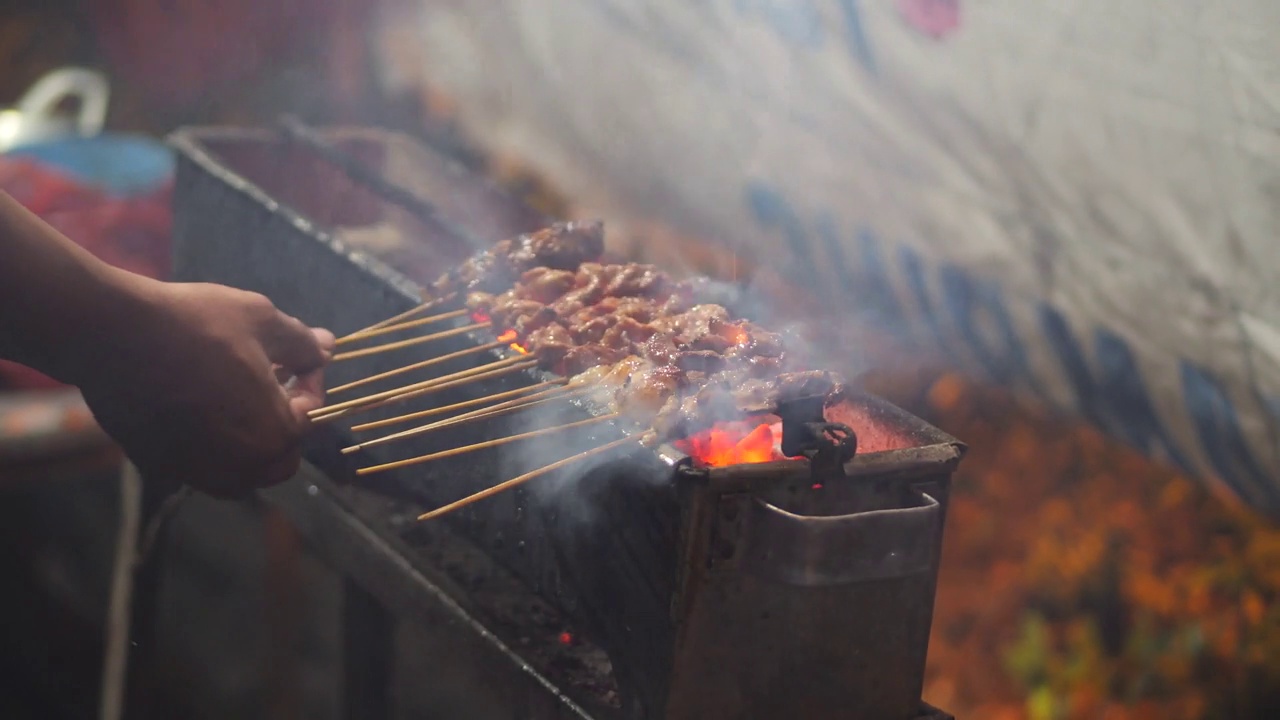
[{"x": 562, "y": 489}]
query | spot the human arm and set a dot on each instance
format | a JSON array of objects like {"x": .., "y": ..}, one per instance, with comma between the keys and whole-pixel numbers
[{"x": 182, "y": 375}]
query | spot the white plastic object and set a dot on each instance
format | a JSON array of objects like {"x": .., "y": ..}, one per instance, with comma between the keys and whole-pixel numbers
[{"x": 33, "y": 118}]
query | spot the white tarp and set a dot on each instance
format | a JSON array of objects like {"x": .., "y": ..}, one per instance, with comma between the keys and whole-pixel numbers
[{"x": 1079, "y": 197}]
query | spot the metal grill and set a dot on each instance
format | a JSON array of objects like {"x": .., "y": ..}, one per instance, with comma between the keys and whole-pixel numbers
[{"x": 736, "y": 592}]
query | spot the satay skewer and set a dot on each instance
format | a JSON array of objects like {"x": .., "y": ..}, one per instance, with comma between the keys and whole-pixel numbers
[
  {"x": 416, "y": 366},
  {"x": 521, "y": 479},
  {"x": 484, "y": 445},
  {"x": 366, "y": 399},
  {"x": 425, "y": 306},
  {"x": 397, "y": 327},
  {"x": 455, "y": 406},
  {"x": 432, "y": 388},
  {"x": 488, "y": 413},
  {"x": 351, "y": 354},
  {"x": 506, "y": 408}
]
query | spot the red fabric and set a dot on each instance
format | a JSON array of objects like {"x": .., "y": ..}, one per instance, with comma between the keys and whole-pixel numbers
[{"x": 131, "y": 233}]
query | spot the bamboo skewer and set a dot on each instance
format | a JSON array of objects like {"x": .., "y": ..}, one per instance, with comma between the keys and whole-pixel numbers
[
  {"x": 403, "y": 316},
  {"x": 366, "y": 399},
  {"x": 425, "y": 391},
  {"x": 508, "y": 407},
  {"x": 483, "y": 445},
  {"x": 410, "y": 342},
  {"x": 416, "y": 366},
  {"x": 396, "y": 318},
  {"x": 450, "y": 408},
  {"x": 484, "y": 372},
  {"x": 520, "y": 480},
  {"x": 397, "y": 327},
  {"x": 488, "y": 413},
  {"x": 437, "y": 388}
]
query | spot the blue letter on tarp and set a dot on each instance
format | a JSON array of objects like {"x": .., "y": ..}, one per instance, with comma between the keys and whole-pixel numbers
[
  {"x": 1117, "y": 400},
  {"x": 1219, "y": 429}
]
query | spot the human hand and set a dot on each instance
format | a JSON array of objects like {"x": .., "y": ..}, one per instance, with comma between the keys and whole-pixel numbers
[{"x": 191, "y": 384}]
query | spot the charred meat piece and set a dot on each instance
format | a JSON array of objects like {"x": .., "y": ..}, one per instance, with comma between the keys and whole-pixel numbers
[
  {"x": 531, "y": 320},
  {"x": 508, "y": 310},
  {"x": 637, "y": 281},
  {"x": 563, "y": 246},
  {"x": 627, "y": 333},
  {"x": 589, "y": 286},
  {"x": 642, "y": 309},
  {"x": 755, "y": 340},
  {"x": 661, "y": 348},
  {"x": 694, "y": 323},
  {"x": 546, "y": 285},
  {"x": 487, "y": 272},
  {"x": 647, "y": 391},
  {"x": 764, "y": 366},
  {"x": 583, "y": 357},
  {"x": 593, "y": 330},
  {"x": 703, "y": 361},
  {"x": 677, "y": 401},
  {"x": 550, "y": 344}
]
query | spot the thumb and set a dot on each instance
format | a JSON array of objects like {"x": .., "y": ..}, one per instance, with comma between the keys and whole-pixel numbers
[
  {"x": 306, "y": 394},
  {"x": 290, "y": 343}
]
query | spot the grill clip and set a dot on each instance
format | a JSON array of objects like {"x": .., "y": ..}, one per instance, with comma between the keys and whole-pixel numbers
[{"x": 805, "y": 431}]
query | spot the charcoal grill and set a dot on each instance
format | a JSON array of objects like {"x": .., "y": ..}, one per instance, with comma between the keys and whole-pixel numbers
[{"x": 800, "y": 588}]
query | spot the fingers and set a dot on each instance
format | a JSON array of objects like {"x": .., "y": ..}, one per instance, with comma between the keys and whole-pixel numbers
[
  {"x": 289, "y": 342},
  {"x": 306, "y": 394},
  {"x": 328, "y": 343}
]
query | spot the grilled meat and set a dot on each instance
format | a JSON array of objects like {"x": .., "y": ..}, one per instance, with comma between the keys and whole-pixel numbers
[
  {"x": 563, "y": 246},
  {"x": 653, "y": 348}
]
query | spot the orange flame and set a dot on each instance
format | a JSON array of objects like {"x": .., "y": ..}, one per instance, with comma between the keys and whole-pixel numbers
[
  {"x": 734, "y": 444},
  {"x": 510, "y": 336}
]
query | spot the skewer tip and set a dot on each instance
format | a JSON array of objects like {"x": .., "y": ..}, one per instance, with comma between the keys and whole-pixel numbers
[{"x": 521, "y": 479}]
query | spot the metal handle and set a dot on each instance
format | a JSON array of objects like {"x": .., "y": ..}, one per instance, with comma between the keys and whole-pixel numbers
[{"x": 833, "y": 550}]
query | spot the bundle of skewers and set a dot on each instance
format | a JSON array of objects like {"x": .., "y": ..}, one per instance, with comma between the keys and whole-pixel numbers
[{"x": 645, "y": 347}]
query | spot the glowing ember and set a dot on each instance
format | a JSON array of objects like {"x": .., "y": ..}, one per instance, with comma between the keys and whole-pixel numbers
[
  {"x": 735, "y": 444},
  {"x": 510, "y": 336},
  {"x": 566, "y": 638}
]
